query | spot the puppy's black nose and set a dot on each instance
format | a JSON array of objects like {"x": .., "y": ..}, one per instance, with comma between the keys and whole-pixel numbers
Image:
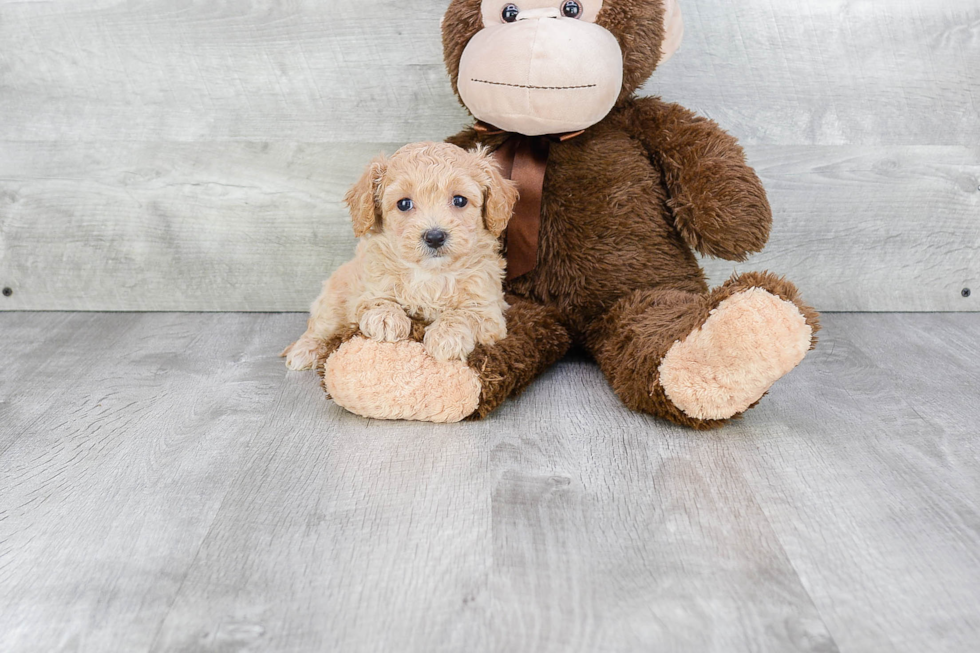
[{"x": 435, "y": 238}]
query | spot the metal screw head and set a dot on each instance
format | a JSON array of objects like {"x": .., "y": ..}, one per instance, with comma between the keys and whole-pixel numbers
[
  {"x": 7, "y": 292},
  {"x": 966, "y": 292}
]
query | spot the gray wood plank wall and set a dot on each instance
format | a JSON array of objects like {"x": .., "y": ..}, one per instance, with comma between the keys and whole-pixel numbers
[{"x": 191, "y": 155}]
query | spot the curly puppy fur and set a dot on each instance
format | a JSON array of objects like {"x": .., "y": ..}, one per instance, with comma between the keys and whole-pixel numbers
[{"x": 397, "y": 274}]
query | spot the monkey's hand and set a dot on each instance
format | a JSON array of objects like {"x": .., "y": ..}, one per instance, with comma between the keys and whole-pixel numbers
[{"x": 719, "y": 204}]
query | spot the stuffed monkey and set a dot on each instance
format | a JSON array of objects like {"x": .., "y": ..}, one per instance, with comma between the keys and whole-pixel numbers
[{"x": 617, "y": 193}]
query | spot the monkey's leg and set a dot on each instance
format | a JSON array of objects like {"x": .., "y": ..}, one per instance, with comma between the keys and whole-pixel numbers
[
  {"x": 699, "y": 360},
  {"x": 401, "y": 381},
  {"x": 535, "y": 341}
]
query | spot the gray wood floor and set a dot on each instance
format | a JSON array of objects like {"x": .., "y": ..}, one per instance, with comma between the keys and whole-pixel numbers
[{"x": 165, "y": 485}]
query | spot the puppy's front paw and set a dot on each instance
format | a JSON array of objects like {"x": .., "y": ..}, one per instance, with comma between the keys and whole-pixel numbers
[
  {"x": 302, "y": 354},
  {"x": 446, "y": 341},
  {"x": 385, "y": 323}
]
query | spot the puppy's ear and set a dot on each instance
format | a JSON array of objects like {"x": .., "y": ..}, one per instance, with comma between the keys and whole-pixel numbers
[
  {"x": 364, "y": 197},
  {"x": 499, "y": 195}
]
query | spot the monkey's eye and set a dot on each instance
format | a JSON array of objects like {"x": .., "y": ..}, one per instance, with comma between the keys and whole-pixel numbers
[
  {"x": 460, "y": 202},
  {"x": 405, "y": 205},
  {"x": 571, "y": 9},
  {"x": 510, "y": 13}
]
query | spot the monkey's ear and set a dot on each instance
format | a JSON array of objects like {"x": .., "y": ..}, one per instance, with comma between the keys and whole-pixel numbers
[
  {"x": 364, "y": 197},
  {"x": 499, "y": 195}
]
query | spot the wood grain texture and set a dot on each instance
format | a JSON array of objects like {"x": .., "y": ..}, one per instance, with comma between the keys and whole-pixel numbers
[
  {"x": 115, "y": 455},
  {"x": 155, "y": 226},
  {"x": 165, "y": 485},
  {"x": 882, "y": 463},
  {"x": 808, "y": 72},
  {"x": 872, "y": 229},
  {"x": 615, "y": 532},
  {"x": 829, "y": 72},
  {"x": 258, "y": 70},
  {"x": 192, "y": 156},
  {"x": 239, "y": 226}
]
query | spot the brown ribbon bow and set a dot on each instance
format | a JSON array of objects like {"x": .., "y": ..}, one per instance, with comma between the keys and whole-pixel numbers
[{"x": 524, "y": 160}]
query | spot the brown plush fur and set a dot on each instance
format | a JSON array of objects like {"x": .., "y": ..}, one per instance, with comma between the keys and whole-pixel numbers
[
  {"x": 536, "y": 341},
  {"x": 625, "y": 204},
  {"x": 640, "y": 328}
]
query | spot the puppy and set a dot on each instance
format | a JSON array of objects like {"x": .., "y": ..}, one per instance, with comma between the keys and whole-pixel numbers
[{"x": 429, "y": 219}]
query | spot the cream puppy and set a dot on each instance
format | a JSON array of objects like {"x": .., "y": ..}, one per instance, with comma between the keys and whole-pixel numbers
[{"x": 429, "y": 219}]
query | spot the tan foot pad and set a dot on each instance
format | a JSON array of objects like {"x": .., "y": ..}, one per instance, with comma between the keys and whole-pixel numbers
[
  {"x": 749, "y": 341},
  {"x": 384, "y": 380}
]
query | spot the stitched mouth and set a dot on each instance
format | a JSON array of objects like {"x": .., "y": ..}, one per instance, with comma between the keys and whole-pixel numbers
[{"x": 540, "y": 88}]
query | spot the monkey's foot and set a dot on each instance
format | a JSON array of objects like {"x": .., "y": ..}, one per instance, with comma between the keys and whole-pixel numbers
[
  {"x": 750, "y": 340},
  {"x": 385, "y": 380}
]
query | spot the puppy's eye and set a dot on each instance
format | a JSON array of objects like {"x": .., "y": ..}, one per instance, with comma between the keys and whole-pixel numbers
[
  {"x": 571, "y": 10},
  {"x": 510, "y": 13},
  {"x": 405, "y": 205},
  {"x": 460, "y": 202}
]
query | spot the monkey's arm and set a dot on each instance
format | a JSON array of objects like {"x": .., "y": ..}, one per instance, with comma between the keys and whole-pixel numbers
[{"x": 719, "y": 204}]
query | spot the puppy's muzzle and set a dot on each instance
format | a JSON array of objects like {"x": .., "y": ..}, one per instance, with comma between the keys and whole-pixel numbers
[{"x": 435, "y": 238}]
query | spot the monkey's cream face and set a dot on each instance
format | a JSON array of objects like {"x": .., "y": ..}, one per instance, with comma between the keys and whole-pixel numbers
[{"x": 541, "y": 66}]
